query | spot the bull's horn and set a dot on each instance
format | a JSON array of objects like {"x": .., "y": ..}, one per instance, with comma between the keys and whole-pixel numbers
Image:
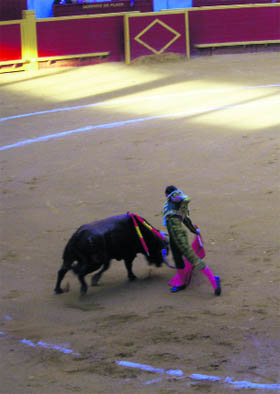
[
  {"x": 164, "y": 235},
  {"x": 168, "y": 264},
  {"x": 165, "y": 259}
]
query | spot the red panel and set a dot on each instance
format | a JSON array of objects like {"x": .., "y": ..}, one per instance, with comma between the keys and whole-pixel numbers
[
  {"x": 12, "y": 9},
  {"x": 235, "y": 24},
  {"x": 71, "y": 37},
  {"x": 10, "y": 44},
  {"x": 157, "y": 36}
]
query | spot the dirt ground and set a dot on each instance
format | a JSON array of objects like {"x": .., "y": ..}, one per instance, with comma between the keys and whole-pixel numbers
[{"x": 211, "y": 127}]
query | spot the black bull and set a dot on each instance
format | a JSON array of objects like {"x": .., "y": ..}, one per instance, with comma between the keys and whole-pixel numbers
[{"x": 95, "y": 244}]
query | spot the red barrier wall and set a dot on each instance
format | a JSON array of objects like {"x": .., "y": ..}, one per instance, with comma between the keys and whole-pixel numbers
[
  {"x": 77, "y": 36},
  {"x": 145, "y": 33},
  {"x": 12, "y": 9},
  {"x": 10, "y": 44},
  {"x": 149, "y": 34},
  {"x": 234, "y": 24}
]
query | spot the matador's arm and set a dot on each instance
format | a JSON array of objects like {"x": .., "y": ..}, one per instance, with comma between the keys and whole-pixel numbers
[{"x": 188, "y": 223}]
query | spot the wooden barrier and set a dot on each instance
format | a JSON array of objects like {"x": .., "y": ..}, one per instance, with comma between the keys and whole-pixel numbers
[
  {"x": 120, "y": 36},
  {"x": 31, "y": 41},
  {"x": 67, "y": 57},
  {"x": 10, "y": 44},
  {"x": 234, "y": 25},
  {"x": 240, "y": 43},
  {"x": 92, "y": 34}
]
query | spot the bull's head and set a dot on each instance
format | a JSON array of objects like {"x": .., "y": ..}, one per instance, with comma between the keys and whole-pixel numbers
[
  {"x": 160, "y": 255},
  {"x": 165, "y": 250}
]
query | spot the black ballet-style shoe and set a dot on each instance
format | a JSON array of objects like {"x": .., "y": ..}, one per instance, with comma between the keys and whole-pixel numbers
[
  {"x": 177, "y": 288},
  {"x": 218, "y": 289}
]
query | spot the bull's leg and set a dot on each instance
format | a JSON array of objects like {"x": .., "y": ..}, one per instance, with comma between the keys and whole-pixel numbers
[
  {"x": 84, "y": 285},
  {"x": 96, "y": 277},
  {"x": 60, "y": 275},
  {"x": 84, "y": 270},
  {"x": 128, "y": 265}
]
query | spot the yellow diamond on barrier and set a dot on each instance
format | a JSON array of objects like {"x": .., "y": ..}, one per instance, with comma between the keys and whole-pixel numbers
[{"x": 157, "y": 23}]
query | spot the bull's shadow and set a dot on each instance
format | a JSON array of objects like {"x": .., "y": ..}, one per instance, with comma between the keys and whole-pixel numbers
[{"x": 151, "y": 281}]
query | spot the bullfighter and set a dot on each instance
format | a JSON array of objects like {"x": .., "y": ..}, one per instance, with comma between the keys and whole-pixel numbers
[{"x": 176, "y": 213}]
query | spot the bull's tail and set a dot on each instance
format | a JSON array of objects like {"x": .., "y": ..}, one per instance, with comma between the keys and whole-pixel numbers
[{"x": 69, "y": 257}]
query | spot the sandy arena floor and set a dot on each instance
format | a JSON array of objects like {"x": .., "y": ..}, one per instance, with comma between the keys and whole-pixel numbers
[{"x": 211, "y": 127}]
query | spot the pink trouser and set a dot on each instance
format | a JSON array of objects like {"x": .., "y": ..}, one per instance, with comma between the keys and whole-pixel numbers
[
  {"x": 183, "y": 276},
  {"x": 207, "y": 272}
]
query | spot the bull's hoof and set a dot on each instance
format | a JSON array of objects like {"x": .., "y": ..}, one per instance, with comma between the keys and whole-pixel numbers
[
  {"x": 83, "y": 294},
  {"x": 132, "y": 278},
  {"x": 83, "y": 291},
  {"x": 94, "y": 281},
  {"x": 58, "y": 291}
]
